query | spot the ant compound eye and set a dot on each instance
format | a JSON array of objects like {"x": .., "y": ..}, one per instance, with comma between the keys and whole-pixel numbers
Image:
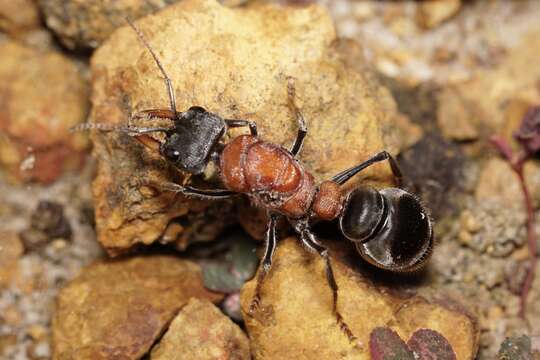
[
  {"x": 402, "y": 239},
  {"x": 171, "y": 154}
]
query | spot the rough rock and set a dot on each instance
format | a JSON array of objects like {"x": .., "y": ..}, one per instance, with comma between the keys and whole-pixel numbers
[
  {"x": 483, "y": 101},
  {"x": 42, "y": 95},
  {"x": 118, "y": 309},
  {"x": 21, "y": 21},
  {"x": 11, "y": 249},
  {"x": 38, "y": 276},
  {"x": 432, "y": 13},
  {"x": 438, "y": 186},
  {"x": 18, "y": 16},
  {"x": 491, "y": 284},
  {"x": 46, "y": 224},
  {"x": 479, "y": 36},
  {"x": 86, "y": 24},
  {"x": 296, "y": 321},
  {"x": 498, "y": 182},
  {"x": 7, "y": 342},
  {"x": 234, "y": 62},
  {"x": 201, "y": 331},
  {"x": 480, "y": 268},
  {"x": 533, "y": 307},
  {"x": 517, "y": 348},
  {"x": 490, "y": 226},
  {"x": 456, "y": 121}
]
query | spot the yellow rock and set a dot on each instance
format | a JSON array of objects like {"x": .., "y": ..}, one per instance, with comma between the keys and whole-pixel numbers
[
  {"x": 11, "y": 250},
  {"x": 432, "y": 13},
  {"x": 494, "y": 96},
  {"x": 117, "y": 309},
  {"x": 296, "y": 319},
  {"x": 497, "y": 181},
  {"x": 201, "y": 331},
  {"x": 42, "y": 95},
  {"x": 18, "y": 16}
]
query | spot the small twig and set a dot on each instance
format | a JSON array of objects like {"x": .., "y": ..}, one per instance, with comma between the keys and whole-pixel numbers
[
  {"x": 517, "y": 162},
  {"x": 531, "y": 239}
]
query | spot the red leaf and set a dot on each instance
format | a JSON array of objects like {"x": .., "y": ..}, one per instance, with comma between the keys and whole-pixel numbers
[
  {"x": 385, "y": 344},
  {"x": 528, "y": 133},
  {"x": 428, "y": 344}
]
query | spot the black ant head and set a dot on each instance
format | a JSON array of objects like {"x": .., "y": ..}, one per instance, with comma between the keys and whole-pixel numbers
[
  {"x": 390, "y": 228},
  {"x": 192, "y": 140},
  {"x": 187, "y": 145}
]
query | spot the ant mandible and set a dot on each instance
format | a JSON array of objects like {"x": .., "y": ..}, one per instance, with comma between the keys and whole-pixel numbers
[{"x": 390, "y": 228}]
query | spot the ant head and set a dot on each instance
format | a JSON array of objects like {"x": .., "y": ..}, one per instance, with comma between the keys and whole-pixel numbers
[
  {"x": 390, "y": 228},
  {"x": 187, "y": 145},
  {"x": 192, "y": 140}
]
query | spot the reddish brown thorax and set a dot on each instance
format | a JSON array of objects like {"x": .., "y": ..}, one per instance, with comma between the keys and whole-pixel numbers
[{"x": 269, "y": 174}]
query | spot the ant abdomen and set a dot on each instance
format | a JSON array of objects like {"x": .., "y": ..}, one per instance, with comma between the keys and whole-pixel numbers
[{"x": 390, "y": 228}]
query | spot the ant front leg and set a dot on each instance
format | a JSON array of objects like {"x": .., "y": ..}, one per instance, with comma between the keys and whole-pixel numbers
[
  {"x": 309, "y": 241},
  {"x": 203, "y": 194},
  {"x": 302, "y": 128},
  {"x": 266, "y": 262},
  {"x": 344, "y": 176}
]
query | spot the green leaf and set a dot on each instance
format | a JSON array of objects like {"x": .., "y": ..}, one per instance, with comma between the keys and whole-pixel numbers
[{"x": 229, "y": 274}]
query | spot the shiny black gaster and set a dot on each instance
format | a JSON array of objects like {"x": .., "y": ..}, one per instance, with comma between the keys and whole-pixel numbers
[{"x": 390, "y": 228}]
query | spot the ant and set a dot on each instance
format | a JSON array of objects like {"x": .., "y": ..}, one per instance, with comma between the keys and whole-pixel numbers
[{"x": 390, "y": 228}]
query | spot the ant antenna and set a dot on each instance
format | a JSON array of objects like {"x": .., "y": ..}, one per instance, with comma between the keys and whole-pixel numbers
[
  {"x": 129, "y": 129},
  {"x": 110, "y": 127},
  {"x": 168, "y": 81}
]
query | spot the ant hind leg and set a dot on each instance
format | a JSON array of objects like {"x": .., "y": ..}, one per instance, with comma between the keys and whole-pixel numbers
[
  {"x": 266, "y": 263},
  {"x": 308, "y": 239},
  {"x": 345, "y": 175},
  {"x": 203, "y": 194}
]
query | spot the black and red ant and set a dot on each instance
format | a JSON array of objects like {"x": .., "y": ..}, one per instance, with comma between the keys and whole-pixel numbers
[{"x": 390, "y": 228}]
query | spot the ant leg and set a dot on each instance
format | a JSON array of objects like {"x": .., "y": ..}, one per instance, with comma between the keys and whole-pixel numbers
[
  {"x": 266, "y": 262},
  {"x": 155, "y": 113},
  {"x": 168, "y": 82},
  {"x": 302, "y": 128},
  {"x": 232, "y": 123},
  {"x": 344, "y": 176},
  {"x": 204, "y": 194},
  {"x": 308, "y": 239}
]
